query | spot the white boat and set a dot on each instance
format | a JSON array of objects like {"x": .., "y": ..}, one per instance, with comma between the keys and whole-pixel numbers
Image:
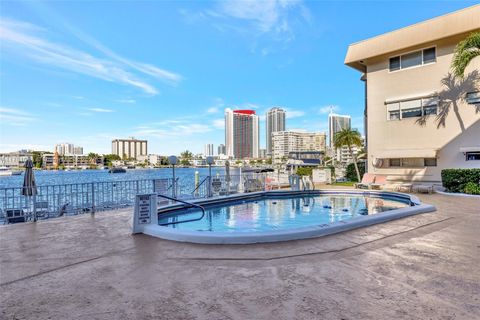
[{"x": 4, "y": 171}]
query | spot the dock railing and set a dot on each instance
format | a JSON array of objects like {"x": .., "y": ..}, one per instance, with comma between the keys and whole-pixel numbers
[{"x": 78, "y": 198}]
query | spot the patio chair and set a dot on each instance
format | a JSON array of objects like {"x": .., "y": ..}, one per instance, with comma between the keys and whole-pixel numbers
[
  {"x": 367, "y": 180},
  {"x": 66, "y": 209},
  {"x": 380, "y": 181},
  {"x": 41, "y": 208},
  {"x": 15, "y": 215}
]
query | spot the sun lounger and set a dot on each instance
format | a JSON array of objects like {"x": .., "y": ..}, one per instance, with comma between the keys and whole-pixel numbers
[
  {"x": 380, "y": 181},
  {"x": 367, "y": 180}
]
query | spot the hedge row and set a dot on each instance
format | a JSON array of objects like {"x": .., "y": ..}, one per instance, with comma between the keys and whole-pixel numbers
[{"x": 455, "y": 180}]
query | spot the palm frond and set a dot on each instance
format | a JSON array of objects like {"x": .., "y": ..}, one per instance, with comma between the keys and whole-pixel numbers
[{"x": 465, "y": 51}]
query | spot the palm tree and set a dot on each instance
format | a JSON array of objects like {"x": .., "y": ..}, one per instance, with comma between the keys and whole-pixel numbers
[
  {"x": 349, "y": 138},
  {"x": 465, "y": 51},
  {"x": 93, "y": 158}
]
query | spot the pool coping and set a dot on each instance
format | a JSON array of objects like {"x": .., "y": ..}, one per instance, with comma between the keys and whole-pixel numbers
[{"x": 155, "y": 230}]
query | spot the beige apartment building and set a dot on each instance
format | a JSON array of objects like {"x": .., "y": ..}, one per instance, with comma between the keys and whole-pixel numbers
[
  {"x": 418, "y": 118},
  {"x": 130, "y": 148},
  {"x": 285, "y": 142}
]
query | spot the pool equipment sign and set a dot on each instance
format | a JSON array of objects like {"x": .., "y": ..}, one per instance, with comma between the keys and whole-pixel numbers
[{"x": 145, "y": 211}]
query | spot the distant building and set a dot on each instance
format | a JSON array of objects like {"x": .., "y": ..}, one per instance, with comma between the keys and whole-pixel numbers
[
  {"x": 285, "y": 142},
  {"x": 262, "y": 153},
  {"x": 221, "y": 150},
  {"x": 14, "y": 159},
  {"x": 208, "y": 150},
  {"x": 154, "y": 159},
  {"x": 304, "y": 159},
  {"x": 78, "y": 150},
  {"x": 419, "y": 119},
  {"x": 67, "y": 149},
  {"x": 53, "y": 160},
  {"x": 275, "y": 121},
  {"x": 241, "y": 133},
  {"x": 129, "y": 148},
  {"x": 337, "y": 123}
]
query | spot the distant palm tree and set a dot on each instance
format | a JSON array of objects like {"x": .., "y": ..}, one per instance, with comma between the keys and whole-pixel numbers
[
  {"x": 349, "y": 138},
  {"x": 465, "y": 51},
  {"x": 93, "y": 158}
]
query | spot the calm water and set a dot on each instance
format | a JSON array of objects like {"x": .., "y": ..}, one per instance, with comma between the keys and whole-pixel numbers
[
  {"x": 44, "y": 177},
  {"x": 275, "y": 214}
]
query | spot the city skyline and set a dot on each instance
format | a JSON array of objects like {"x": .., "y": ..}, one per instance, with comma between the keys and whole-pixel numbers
[{"x": 72, "y": 72}]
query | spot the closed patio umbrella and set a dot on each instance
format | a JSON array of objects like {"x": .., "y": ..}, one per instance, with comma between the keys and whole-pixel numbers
[
  {"x": 29, "y": 187},
  {"x": 227, "y": 171}
]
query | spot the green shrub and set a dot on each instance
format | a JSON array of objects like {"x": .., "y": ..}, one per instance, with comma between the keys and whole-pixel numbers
[
  {"x": 304, "y": 171},
  {"x": 472, "y": 188},
  {"x": 351, "y": 174},
  {"x": 455, "y": 180}
]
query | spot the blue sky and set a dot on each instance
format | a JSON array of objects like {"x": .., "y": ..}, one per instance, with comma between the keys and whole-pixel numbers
[{"x": 87, "y": 72}]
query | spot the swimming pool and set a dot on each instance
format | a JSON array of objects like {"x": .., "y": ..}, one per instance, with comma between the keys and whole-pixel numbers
[{"x": 281, "y": 215}]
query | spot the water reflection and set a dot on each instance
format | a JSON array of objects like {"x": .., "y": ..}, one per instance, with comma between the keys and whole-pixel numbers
[{"x": 273, "y": 214}]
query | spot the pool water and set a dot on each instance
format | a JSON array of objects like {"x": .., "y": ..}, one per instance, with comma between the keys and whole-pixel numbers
[{"x": 270, "y": 214}]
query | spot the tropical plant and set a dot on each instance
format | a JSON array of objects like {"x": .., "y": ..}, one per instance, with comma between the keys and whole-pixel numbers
[
  {"x": 92, "y": 157},
  {"x": 351, "y": 174},
  {"x": 465, "y": 51},
  {"x": 305, "y": 171},
  {"x": 186, "y": 156},
  {"x": 349, "y": 138},
  {"x": 109, "y": 158}
]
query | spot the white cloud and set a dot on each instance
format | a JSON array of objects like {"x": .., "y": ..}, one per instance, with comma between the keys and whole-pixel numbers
[
  {"x": 291, "y": 113},
  {"x": 171, "y": 128},
  {"x": 15, "y": 117},
  {"x": 24, "y": 40},
  {"x": 328, "y": 109},
  {"x": 267, "y": 16},
  {"x": 219, "y": 123},
  {"x": 128, "y": 101},
  {"x": 100, "y": 110},
  {"x": 213, "y": 110}
]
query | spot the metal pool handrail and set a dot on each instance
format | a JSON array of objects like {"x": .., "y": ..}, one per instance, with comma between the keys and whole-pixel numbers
[
  {"x": 201, "y": 183},
  {"x": 184, "y": 202}
]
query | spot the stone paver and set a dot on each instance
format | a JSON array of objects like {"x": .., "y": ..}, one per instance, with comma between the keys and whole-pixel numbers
[{"x": 84, "y": 267}]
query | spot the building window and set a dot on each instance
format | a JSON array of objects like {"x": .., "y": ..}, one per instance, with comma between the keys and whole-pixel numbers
[
  {"x": 429, "y": 55},
  {"x": 430, "y": 162},
  {"x": 469, "y": 156},
  {"x": 394, "y": 115},
  {"x": 411, "y": 113},
  {"x": 412, "y": 162},
  {"x": 412, "y": 108},
  {"x": 394, "y": 63},
  {"x": 473, "y": 97},
  {"x": 395, "y": 162},
  {"x": 413, "y": 59}
]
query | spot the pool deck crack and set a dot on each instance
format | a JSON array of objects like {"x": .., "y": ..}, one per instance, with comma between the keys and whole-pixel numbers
[{"x": 63, "y": 267}]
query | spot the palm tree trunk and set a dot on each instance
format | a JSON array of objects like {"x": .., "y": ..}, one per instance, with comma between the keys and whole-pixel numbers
[{"x": 354, "y": 163}]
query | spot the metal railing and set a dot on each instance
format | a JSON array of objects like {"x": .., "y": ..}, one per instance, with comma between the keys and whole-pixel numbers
[
  {"x": 184, "y": 202},
  {"x": 72, "y": 199}
]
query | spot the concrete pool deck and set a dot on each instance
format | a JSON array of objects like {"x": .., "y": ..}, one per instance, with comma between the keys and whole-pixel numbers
[{"x": 84, "y": 267}]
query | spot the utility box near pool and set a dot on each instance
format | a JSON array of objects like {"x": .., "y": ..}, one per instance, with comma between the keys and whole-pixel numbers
[{"x": 145, "y": 212}]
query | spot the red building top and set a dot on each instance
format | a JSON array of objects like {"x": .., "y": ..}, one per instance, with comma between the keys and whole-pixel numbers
[{"x": 249, "y": 112}]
